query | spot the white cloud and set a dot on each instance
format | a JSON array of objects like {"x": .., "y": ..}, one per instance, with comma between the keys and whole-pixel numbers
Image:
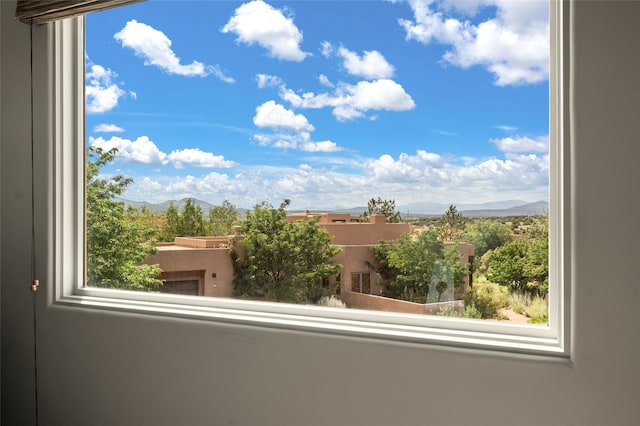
[
  {"x": 198, "y": 158},
  {"x": 469, "y": 180},
  {"x": 155, "y": 48},
  {"x": 353, "y": 101},
  {"x": 144, "y": 151},
  {"x": 371, "y": 65},
  {"x": 326, "y": 49},
  {"x": 324, "y": 80},
  {"x": 297, "y": 141},
  {"x": 322, "y": 146},
  {"x": 321, "y": 183},
  {"x": 378, "y": 95},
  {"x": 465, "y": 7},
  {"x": 101, "y": 93},
  {"x": 407, "y": 167},
  {"x": 506, "y": 128},
  {"x": 266, "y": 80},
  {"x": 271, "y": 114},
  {"x": 522, "y": 144},
  {"x": 515, "y": 172},
  {"x": 514, "y": 45},
  {"x": 217, "y": 72},
  {"x": 108, "y": 128},
  {"x": 257, "y": 22}
]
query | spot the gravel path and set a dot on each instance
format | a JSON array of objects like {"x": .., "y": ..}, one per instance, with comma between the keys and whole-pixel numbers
[{"x": 514, "y": 316}]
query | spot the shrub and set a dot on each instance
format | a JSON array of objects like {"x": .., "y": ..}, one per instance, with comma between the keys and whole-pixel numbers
[
  {"x": 535, "y": 307},
  {"x": 331, "y": 302},
  {"x": 537, "y": 310},
  {"x": 468, "y": 312},
  {"x": 519, "y": 301},
  {"x": 487, "y": 298}
]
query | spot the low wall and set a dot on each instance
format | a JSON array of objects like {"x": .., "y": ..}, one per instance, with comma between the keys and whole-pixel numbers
[{"x": 369, "y": 301}]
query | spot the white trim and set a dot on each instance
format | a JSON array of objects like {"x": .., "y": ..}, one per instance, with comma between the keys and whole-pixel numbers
[
  {"x": 69, "y": 275},
  {"x": 68, "y": 167}
]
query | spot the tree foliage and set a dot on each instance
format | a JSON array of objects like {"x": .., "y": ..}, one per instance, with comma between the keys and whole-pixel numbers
[
  {"x": 414, "y": 263},
  {"x": 452, "y": 224},
  {"x": 281, "y": 260},
  {"x": 186, "y": 223},
  {"x": 222, "y": 218},
  {"x": 485, "y": 235},
  {"x": 524, "y": 265},
  {"x": 380, "y": 206},
  {"x": 118, "y": 241}
]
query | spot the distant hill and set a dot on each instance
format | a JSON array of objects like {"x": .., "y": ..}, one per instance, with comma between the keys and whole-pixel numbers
[
  {"x": 494, "y": 209},
  {"x": 529, "y": 209},
  {"x": 431, "y": 209},
  {"x": 160, "y": 207}
]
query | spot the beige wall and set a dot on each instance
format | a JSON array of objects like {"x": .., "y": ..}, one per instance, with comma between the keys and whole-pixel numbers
[
  {"x": 354, "y": 259},
  {"x": 364, "y": 233},
  {"x": 373, "y": 302},
  {"x": 210, "y": 260}
]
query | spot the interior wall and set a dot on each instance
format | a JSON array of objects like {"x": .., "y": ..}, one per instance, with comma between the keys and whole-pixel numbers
[
  {"x": 15, "y": 227},
  {"x": 0, "y": 213},
  {"x": 108, "y": 368}
]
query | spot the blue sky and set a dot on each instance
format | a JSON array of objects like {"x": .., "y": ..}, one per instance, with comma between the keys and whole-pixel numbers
[{"x": 328, "y": 103}]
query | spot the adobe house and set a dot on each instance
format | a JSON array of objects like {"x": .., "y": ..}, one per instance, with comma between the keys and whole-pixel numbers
[{"x": 202, "y": 265}]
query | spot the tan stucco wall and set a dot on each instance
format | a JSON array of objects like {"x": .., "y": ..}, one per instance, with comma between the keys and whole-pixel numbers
[
  {"x": 354, "y": 259},
  {"x": 364, "y": 233},
  {"x": 210, "y": 260},
  {"x": 378, "y": 303}
]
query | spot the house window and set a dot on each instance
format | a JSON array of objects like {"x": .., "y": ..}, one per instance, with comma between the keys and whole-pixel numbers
[
  {"x": 361, "y": 282},
  {"x": 310, "y": 116}
]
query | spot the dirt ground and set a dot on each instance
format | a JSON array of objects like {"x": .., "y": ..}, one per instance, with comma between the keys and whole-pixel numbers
[{"x": 514, "y": 317}]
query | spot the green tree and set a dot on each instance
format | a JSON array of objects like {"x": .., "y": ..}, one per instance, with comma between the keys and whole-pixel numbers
[
  {"x": 485, "y": 235},
  {"x": 147, "y": 220},
  {"x": 537, "y": 263},
  {"x": 452, "y": 225},
  {"x": 222, "y": 218},
  {"x": 117, "y": 240},
  {"x": 171, "y": 226},
  {"x": 281, "y": 260},
  {"x": 187, "y": 223},
  {"x": 507, "y": 264},
  {"x": 192, "y": 223},
  {"x": 524, "y": 265},
  {"x": 380, "y": 206},
  {"x": 410, "y": 265}
]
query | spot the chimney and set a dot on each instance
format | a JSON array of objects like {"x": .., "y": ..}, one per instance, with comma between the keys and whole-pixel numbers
[{"x": 377, "y": 218}]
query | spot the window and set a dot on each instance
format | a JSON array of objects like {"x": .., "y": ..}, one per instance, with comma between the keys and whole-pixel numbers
[
  {"x": 285, "y": 130},
  {"x": 361, "y": 282}
]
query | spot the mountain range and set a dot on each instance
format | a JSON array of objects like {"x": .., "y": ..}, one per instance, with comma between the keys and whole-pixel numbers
[{"x": 491, "y": 209}]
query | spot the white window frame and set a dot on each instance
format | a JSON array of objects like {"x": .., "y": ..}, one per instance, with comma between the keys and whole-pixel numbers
[{"x": 68, "y": 185}]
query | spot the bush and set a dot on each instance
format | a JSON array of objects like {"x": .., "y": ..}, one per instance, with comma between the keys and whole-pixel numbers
[
  {"x": 535, "y": 307},
  {"x": 331, "y": 302},
  {"x": 537, "y": 310},
  {"x": 468, "y": 312},
  {"x": 519, "y": 301},
  {"x": 487, "y": 298}
]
